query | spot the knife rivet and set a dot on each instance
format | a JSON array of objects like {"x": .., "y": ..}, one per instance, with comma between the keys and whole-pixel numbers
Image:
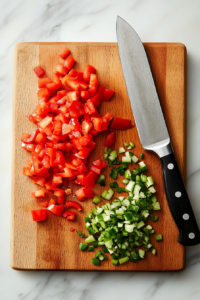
[
  {"x": 178, "y": 194},
  {"x": 191, "y": 235},
  {"x": 186, "y": 217},
  {"x": 170, "y": 166}
]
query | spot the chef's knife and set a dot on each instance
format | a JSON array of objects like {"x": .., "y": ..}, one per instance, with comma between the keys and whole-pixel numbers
[{"x": 152, "y": 128}]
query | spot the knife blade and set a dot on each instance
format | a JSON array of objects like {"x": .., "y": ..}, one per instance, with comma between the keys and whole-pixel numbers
[{"x": 152, "y": 128}]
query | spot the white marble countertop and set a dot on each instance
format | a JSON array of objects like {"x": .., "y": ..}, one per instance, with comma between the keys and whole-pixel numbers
[{"x": 86, "y": 20}]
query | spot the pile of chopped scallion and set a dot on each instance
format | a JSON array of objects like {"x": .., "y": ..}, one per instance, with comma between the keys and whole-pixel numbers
[{"x": 121, "y": 227}]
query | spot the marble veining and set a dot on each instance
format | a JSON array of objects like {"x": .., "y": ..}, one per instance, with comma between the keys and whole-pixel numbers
[{"x": 87, "y": 20}]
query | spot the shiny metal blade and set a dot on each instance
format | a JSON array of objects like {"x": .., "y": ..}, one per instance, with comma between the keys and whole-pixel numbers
[{"x": 141, "y": 88}]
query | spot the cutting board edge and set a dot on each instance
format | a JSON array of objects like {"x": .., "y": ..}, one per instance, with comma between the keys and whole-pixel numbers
[{"x": 17, "y": 47}]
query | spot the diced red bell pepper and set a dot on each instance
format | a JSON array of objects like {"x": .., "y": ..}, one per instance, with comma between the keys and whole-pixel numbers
[
  {"x": 84, "y": 140},
  {"x": 40, "y": 139},
  {"x": 91, "y": 145},
  {"x": 70, "y": 215},
  {"x": 39, "y": 180},
  {"x": 85, "y": 95},
  {"x": 56, "y": 180},
  {"x": 57, "y": 127},
  {"x": 44, "y": 204},
  {"x": 39, "y": 214},
  {"x": 42, "y": 82},
  {"x": 99, "y": 164},
  {"x": 88, "y": 70},
  {"x": 110, "y": 140},
  {"x": 84, "y": 193},
  {"x": 39, "y": 71},
  {"x": 107, "y": 94},
  {"x": 57, "y": 210},
  {"x": 37, "y": 194},
  {"x": 58, "y": 192},
  {"x": 71, "y": 82},
  {"x": 61, "y": 199},
  {"x": 120, "y": 123},
  {"x": 54, "y": 85},
  {"x": 83, "y": 153},
  {"x": 73, "y": 73},
  {"x": 93, "y": 83},
  {"x": 60, "y": 69},
  {"x": 29, "y": 139},
  {"x": 69, "y": 62},
  {"x": 97, "y": 123},
  {"x": 96, "y": 99},
  {"x": 63, "y": 54},
  {"x": 67, "y": 173},
  {"x": 76, "y": 109},
  {"x": 45, "y": 122},
  {"x": 74, "y": 204},
  {"x": 51, "y": 202},
  {"x": 73, "y": 96},
  {"x": 72, "y": 229},
  {"x": 96, "y": 170},
  {"x": 88, "y": 180},
  {"x": 90, "y": 108},
  {"x": 86, "y": 126},
  {"x": 67, "y": 128},
  {"x": 44, "y": 92}
]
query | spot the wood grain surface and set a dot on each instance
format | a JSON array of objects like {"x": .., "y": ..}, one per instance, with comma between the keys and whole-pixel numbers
[{"x": 50, "y": 245}]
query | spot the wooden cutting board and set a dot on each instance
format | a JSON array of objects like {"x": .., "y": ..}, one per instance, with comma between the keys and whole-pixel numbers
[{"x": 50, "y": 245}]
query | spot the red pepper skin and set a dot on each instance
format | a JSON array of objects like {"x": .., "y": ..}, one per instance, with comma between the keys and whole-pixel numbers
[
  {"x": 96, "y": 170},
  {"x": 39, "y": 214},
  {"x": 74, "y": 204},
  {"x": 57, "y": 210},
  {"x": 89, "y": 180},
  {"x": 99, "y": 164},
  {"x": 110, "y": 140},
  {"x": 88, "y": 70},
  {"x": 120, "y": 123},
  {"x": 29, "y": 139},
  {"x": 38, "y": 71},
  {"x": 107, "y": 94},
  {"x": 96, "y": 99},
  {"x": 70, "y": 215},
  {"x": 42, "y": 82},
  {"x": 69, "y": 62},
  {"x": 72, "y": 229},
  {"x": 63, "y": 54},
  {"x": 84, "y": 193}
]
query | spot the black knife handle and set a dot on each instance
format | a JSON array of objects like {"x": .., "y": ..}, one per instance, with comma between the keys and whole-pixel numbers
[{"x": 179, "y": 202}]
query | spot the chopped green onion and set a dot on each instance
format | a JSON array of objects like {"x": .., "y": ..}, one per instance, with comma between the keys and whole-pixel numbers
[
  {"x": 120, "y": 190},
  {"x": 158, "y": 237},
  {"x": 101, "y": 178},
  {"x": 143, "y": 166},
  {"x": 91, "y": 248},
  {"x": 114, "y": 262},
  {"x": 154, "y": 219},
  {"x": 83, "y": 247},
  {"x": 107, "y": 150},
  {"x": 95, "y": 261},
  {"x": 107, "y": 195},
  {"x": 113, "y": 174},
  {"x": 81, "y": 234},
  {"x": 90, "y": 239},
  {"x": 142, "y": 155},
  {"x": 113, "y": 184},
  {"x": 96, "y": 199},
  {"x": 123, "y": 260},
  {"x": 122, "y": 150},
  {"x": 126, "y": 144}
]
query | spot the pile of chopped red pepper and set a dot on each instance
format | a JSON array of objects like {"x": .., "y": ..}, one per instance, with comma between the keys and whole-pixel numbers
[{"x": 67, "y": 121}]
